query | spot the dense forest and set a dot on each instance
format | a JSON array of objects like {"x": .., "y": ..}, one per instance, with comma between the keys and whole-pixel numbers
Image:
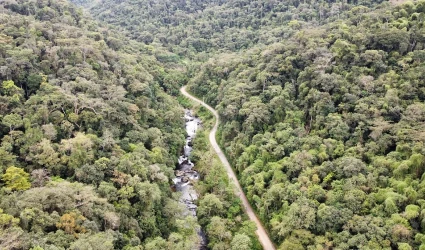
[
  {"x": 90, "y": 137},
  {"x": 321, "y": 107},
  {"x": 195, "y": 27}
]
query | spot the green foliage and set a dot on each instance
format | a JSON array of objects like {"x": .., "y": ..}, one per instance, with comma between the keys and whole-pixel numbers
[
  {"x": 321, "y": 110},
  {"x": 193, "y": 28},
  {"x": 85, "y": 115},
  {"x": 97, "y": 241},
  {"x": 324, "y": 127},
  {"x": 12, "y": 121},
  {"x": 220, "y": 211},
  {"x": 7, "y": 220},
  {"x": 16, "y": 179},
  {"x": 241, "y": 242}
]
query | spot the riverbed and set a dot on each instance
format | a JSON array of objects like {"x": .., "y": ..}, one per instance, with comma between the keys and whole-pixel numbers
[{"x": 185, "y": 173}]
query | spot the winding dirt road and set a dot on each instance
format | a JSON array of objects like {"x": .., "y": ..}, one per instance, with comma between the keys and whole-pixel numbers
[{"x": 261, "y": 232}]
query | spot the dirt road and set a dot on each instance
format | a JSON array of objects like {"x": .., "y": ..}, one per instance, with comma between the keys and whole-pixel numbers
[{"x": 261, "y": 232}]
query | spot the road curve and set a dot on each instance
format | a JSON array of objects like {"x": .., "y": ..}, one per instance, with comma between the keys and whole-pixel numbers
[{"x": 261, "y": 232}]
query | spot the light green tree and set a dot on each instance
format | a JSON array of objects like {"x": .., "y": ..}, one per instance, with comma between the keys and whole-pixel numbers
[
  {"x": 12, "y": 121},
  {"x": 241, "y": 242},
  {"x": 16, "y": 179}
]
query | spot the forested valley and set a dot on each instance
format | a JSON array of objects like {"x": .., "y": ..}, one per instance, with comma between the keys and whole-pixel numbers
[{"x": 322, "y": 117}]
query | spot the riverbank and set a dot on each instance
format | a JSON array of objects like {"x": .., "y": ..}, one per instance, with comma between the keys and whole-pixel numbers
[{"x": 261, "y": 232}]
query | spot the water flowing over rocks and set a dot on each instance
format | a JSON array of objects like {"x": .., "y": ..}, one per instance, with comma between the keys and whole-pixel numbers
[{"x": 186, "y": 175}]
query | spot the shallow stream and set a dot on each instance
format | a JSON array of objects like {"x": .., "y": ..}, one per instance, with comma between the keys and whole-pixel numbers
[{"x": 185, "y": 173}]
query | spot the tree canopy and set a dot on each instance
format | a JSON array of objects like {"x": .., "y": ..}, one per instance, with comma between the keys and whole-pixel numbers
[{"x": 321, "y": 109}]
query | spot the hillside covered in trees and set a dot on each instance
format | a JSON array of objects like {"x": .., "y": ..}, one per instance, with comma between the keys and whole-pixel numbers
[
  {"x": 89, "y": 140},
  {"x": 195, "y": 27},
  {"x": 326, "y": 129}
]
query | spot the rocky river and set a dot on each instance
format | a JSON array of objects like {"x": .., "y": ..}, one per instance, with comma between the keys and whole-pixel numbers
[{"x": 185, "y": 173}]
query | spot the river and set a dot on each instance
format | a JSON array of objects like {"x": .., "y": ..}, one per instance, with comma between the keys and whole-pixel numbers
[{"x": 186, "y": 175}]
